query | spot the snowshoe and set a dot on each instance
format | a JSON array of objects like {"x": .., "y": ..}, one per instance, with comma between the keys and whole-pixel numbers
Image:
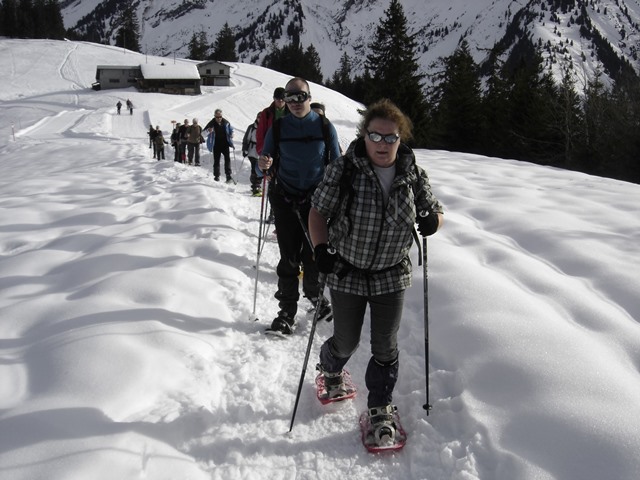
[
  {"x": 334, "y": 387},
  {"x": 381, "y": 429}
]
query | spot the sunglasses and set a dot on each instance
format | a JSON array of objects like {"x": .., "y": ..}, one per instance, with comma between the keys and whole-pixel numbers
[
  {"x": 378, "y": 137},
  {"x": 296, "y": 97}
]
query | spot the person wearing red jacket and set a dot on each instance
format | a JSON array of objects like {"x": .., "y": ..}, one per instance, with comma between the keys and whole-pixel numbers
[{"x": 274, "y": 111}]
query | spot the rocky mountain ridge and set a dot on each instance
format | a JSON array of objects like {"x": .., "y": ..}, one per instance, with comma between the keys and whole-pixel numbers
[{"x": 581, "y": 36}]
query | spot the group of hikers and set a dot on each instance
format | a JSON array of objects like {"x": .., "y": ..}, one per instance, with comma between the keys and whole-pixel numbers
[
  {"x": 186, "y": 140},
  {"x": 129, "y": 106},
  {"x": 347, "y": 220}
]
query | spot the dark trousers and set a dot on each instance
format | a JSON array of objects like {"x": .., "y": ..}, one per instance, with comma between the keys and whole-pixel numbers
[
  {"x": 224, "y": 151},
  {"x": 294, "y": 251},
  {"x": 194, "y": 151},
  {"x": 348, "y": 319},
  {"x": 256, "y": 181},
  {"x": 159, "y": 152}
]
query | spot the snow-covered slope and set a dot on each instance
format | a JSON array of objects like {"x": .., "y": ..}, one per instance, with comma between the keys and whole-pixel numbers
[{"x": 128, "y": 348}]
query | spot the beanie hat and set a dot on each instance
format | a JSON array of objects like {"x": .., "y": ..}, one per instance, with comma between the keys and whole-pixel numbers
[{"x": 278, "y": 93}]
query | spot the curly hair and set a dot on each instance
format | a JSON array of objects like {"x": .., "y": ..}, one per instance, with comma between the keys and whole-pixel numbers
[{"x": 387, "y": 110}]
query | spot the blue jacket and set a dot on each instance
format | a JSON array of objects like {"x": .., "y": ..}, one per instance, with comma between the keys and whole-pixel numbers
[
  {"x": 302, "y": 160},
  {"x": 211, "y": 138}
]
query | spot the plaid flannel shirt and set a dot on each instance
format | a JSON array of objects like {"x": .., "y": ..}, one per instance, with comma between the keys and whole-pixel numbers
[{"x": 373, "y": 240}]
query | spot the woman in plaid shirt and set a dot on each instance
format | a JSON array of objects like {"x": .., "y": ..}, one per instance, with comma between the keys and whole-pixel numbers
[{"x": 364, "y": 251}]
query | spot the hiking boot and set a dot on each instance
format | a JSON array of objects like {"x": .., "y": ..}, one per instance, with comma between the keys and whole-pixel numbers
[
  {"x": 382, "y": 424},
  {"x": 216, "y": 178},
  {"x": 325, "y": 313},
  {"x": 283, "y": 324},
  {"x": 333, "y": 383},
  {"x": 229, "y": 179}
]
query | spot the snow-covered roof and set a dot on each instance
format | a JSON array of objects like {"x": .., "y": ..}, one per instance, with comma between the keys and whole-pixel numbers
[
  {"x": 182, "y": 71},
  {"x": 118, "y": 67}
]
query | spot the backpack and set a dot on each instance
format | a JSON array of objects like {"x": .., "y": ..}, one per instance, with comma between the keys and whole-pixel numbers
[{"x": 326, "y": 137}]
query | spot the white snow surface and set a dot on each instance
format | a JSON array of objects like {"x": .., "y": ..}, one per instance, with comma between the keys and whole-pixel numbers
[{"x": 128, "y": 346}]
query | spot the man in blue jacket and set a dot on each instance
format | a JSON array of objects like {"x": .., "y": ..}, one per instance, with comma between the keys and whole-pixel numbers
[
  {"x": 219, "y": 140},
  {"x": 296, "y": 149}
]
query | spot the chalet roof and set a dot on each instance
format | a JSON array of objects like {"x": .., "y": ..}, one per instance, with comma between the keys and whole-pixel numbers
[
  {"x": 212, "y": 62},
  {"x": 178, "y": 71},
  {"x": 118, "y": 67}
]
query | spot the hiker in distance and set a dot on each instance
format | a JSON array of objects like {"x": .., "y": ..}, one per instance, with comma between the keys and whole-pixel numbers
[
  {"x": 364, "y": 249},
  {"x": 194, "y": 139},
  {"x": 301, "y": 143},
  {"x": 221, "y": 134}
]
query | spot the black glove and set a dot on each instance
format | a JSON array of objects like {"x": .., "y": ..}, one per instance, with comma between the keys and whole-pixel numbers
[
  {"x": 427, "y": 223},
  {"x": 325, "y": 257}
]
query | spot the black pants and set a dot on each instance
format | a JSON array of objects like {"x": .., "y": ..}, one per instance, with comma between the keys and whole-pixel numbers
[
  {"x": 256, "y": 181},
  {"x": 294, "y": 251},
  {"x": 194, "y": 150},
  {"x": 224, "y": 151}
]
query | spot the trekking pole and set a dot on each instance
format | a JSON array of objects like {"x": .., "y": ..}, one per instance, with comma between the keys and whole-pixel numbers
[
  {"x": 305, "y": 229},
  {"x": 233, "y": 174},
  {"x": 265, "y": 189},
  {"x": 306, "y": 356},
  {"x": 426, "y": 406}
]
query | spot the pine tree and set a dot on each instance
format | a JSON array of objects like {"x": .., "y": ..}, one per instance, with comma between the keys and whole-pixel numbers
[
  {"x": 311, "y": 66},
  {"x": 567, "y": 118},
  {"x": 532, "y": 97},
  {"x": 395, "y": 73},
  {"x": 594, "y": 148},
  {"x": 54, "y": 19},
  {"x": 495, "y": 107},
  {"x": 623, "y": 156},
  {"x": 293, "y": 60},
  {"x": 458, "y": 116},
  {"x": 341, "y": 78},
  {"x": 128, "y": 34},
  {"x": 10, "y": 18},
  {"x": 198, "y": 46},
  {"x": 224, "y": 47},
  {"x": 26, "y": 25}
]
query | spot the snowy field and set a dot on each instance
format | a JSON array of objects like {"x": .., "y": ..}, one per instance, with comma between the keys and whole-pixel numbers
[{"x": 127, "y": 345}]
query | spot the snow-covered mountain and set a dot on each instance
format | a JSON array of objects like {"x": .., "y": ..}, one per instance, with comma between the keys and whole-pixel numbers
[{"x": 584, "y": 35}]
